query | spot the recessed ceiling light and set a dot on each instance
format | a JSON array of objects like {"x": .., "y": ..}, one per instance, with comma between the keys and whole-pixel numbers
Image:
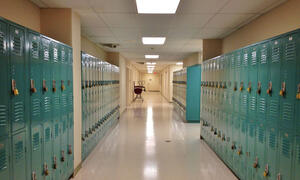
[
  {"x": 153, "y": 40},
  {"x": 151, "y": 56},
  {"x": 150, "y": 63},
  {"x": 179, "y": 63},
  {"x": 157, "y": 6}
]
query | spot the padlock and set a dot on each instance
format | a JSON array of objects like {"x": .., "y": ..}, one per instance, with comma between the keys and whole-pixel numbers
[
  {"x": 33, "y": 176},
  {"x": 255, "y": 164},
  {"x": 16, "y": 92},
  {"x": 266, "y": 171},
  {"x": 54, "y": 163},
  {"x": 283, "y": 89},
  {"x": 46, "y": 171}
]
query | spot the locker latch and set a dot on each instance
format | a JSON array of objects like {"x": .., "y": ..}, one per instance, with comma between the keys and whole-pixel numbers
[
  {"x": 266, "y": 171},
  {"x": 249, "y": 87},
  {"x": 269, "y": 91},
  {"x": 235, "y": 86},
  {"x": 259, "y": 88},
  {"x": 33, "y": 176},
  {"x": 278, "y": 176},
  {"x": 283, "y": 89},
  {"x": 242, "y": 86},
  {"x": 63, "y": 85},
  {"x": 223, "y": 137},
  {"x": 45, "y": 89},
  {"x": 46, "y": 171},
  {"x": 62, "y": 156},
  {"x": 219, "y": 85},
  {"x": 255, "y": 164},
  {"x": 233, "y": 147},
  {"x": 54, "y": 163},
  {"x": 70, "y": 149},
  {"x": 298, "y": 92},
  {"x": 239, "y": 152},
  {"x": 14, "y": 89},
  {"x": 224, "y": 85},
  {"x": 54, "y": 86},
  {"x": 32, "y": 88}
]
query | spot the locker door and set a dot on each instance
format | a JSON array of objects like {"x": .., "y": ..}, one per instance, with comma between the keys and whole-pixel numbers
[
  {"x": 252, "y": 85},
  {"x": 18, "y": 156},
  {"x": 238, "y": 83},
  {"x": 260, "y": 153},
  {"x": 272, "y": 151},
  {"x": 296, "y": 157},
  {"x": 242, "y": 147},
  {"x": 297, "y": 114},
  {"x": 36, "y": 151},
  {"x": 236, "y": 143},
  {"x": 244, "y": 82},
  {"x": 4, "y": 160},
  {"x": 5, "y": 89},
  {"x": 251, "y": 154},
  {"x": 46, "y": 106},
  {"x": 54, "y": 50},
  {"x": 18, "y": 81}
]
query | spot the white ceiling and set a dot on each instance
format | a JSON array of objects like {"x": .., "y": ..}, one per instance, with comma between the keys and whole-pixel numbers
[{"x": 117, "y": 21}]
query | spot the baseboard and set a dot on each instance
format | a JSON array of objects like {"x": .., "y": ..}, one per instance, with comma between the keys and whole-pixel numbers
[{"x": 76, "y": 170}]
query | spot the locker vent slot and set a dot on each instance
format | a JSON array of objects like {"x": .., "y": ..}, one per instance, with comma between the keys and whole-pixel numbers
[
  {"x": 245, "y": 60},
  {"x": 18, "y": 112},
  {"x": 56, "y": 103},
  {"x": 252, "y": 131},
  {"x": 244, "y": 104},
  {"x": 252, "y": 103},
  {"x": 263, "y": 58},
  {"x": 253, "y": 59},
  {"x": 36, "y": 107},
  {"x": 288, "y": 111},
  {"x": 272, "y": 140},
  {"x": 261, "y": 135},
  {"x": 290, "y": 51},
  {"x": 55, "y": 54},
  {"x": 47, "y": 135},
  {"x": 34, "y": 50},
  {"x": 262, "y": 105},
  {"x": 17, "y": 46},
  {"x": 2, "y": 43},
  {"x": 56, "y": 130},
  {"x": 298, "y": 149},
  {"x": 36, "y": 141},
  {"x": 273, "y": 111},
  {"x": 70, "y": 101},
  {"x": 286, "y": 147},
  {"x": 3, "y": 160},
  {"x": 47, "y": 104},
  {"x": 19, "y": 151},
  {"x": 275, "y": 54},
  {"x": 3, "y": 116},
  {"x": 64, "y": 100},
  {"x": 63, "y": 55},
  {"x": 238, "y": 61}
]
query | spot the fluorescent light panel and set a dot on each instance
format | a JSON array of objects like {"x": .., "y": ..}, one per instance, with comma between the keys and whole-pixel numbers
[
  {"x": 179, "y": 63},
  {"x": 151, "y": 56},
  {"x": 157, "y": 6},
  {"x": 154, "y": 40},
  {"x": 150, "y": 63}
]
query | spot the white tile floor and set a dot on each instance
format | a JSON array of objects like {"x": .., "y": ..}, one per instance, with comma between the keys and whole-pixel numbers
[{"x": 137, "y": 149}]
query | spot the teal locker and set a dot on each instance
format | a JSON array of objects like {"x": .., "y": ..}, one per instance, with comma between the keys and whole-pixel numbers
[
  {"x": 242, "y": 147},
  {"x": 4, "y": 160},
  {"x": 244, "y": 81},
  {"x": 46, "y": 106},
  {"x": 260, "y": 160},
  {"x": 271, "y": 155},
  {"x": 296, "y": 156},
  {"x": 54, "y": 50},
  {"x": 251, "y": 154},
  {"x": 36, "y": 151},
  {"x": 5, "y": 89},
  {"x": 19, "y": 156},
  {"x": 18, "y": 81}
]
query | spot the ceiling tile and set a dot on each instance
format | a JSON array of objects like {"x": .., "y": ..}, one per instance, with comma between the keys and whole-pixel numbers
[
  {"x": 246, "y": 6},
  {"x": 191, "y": 20},
  {"x": 212, "y": 33},
  {"x": 155, "y": 20},
  {"x": 200, "y": 6},
  {"x": 82, "y": 4},
  {"x": 96, "y": 31},
  {"x": 91, "y": 20},
  {"x": 105, "y": 40},
  {"x": 228, "y": 20},
  {"x": 180, "y": 33},
  {"x": 114, "y": 6},
  {"x": 120, "y": 20}
]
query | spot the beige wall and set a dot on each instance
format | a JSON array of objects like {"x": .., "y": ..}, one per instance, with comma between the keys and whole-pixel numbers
[
  {"x": 91, "y": 48},
  {"x": 167, "y": 81},
  {"x": 284, "y": 18},
  {"x": 132, "y": 75},
  {"x": 152, "y": 81},
  {"x": 195, "y": 58},
  {"x": 22, "y": 12},
  {"x": 76, "y": 44},
  {"x": 211, "y": 48},
  {"x": 57, "y": 24},
  {"x": 123, "y": 91}
]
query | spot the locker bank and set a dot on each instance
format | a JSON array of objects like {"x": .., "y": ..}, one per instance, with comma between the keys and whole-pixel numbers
[{"x": 149, "y": 90}]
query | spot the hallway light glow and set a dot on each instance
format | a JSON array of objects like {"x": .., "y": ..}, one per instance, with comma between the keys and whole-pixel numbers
[
  {"x": 157, "y": 6},
  {"x": 150, "y": 63},
  {"x": 179, "y": 63},
  {"x": 151, "y": 56},
  {"x": 153, "y": 40}
]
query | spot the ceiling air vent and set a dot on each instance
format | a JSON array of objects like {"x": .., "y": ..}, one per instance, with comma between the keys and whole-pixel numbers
[{"x": 113, "y": 46}]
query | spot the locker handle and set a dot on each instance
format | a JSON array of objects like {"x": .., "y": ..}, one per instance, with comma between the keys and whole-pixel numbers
[
  {"x": 46, "y": 171},
  {"x": 283, "y": 89},
  {"x": 266, "y": 171},
  {"x": 232, "y": 147},
  {"x": 32, "y": 88},
  {"x": 54, "y": 86},
  {"x": 239, "y": 152},
  {"x": 45, "y": 89},
  {"x": 54, "y": 163},
  {"x": 255, "y": 164},
  {"x": 70, "y": 149},
  {"x": 249, "y": 87},
  {"x": 298, "y": 92},
  {"x": 259, "y": 88},
  {"x": 33, "y": 176},
  {"x": 62, "y": 85},
  {"x": 62, "y": 156},
  {"x": 14, "y": 89},
  {"x": 269, "y": 91},
  {"x": 278, "y": 176}
]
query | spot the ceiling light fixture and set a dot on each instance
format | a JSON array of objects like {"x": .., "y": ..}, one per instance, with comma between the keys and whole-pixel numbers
[
  {"x": 179, "y": 63},
  {"x": 151, "y": 56},
  {"x": 154, "y": 40},
  {"x": 151, "y": 63},
  {"x": 157, "y": 6}
]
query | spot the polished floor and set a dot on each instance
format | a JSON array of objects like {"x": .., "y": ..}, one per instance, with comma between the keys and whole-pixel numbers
[{"x": 150, "y": 143}]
